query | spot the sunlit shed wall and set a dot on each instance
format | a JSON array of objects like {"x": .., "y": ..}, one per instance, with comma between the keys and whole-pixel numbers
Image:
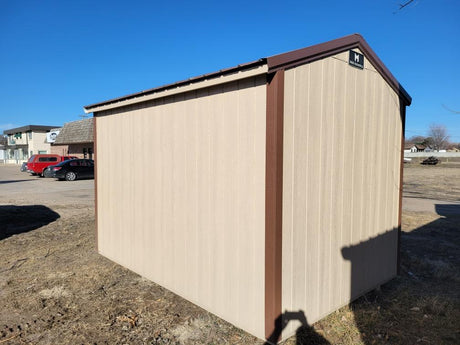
[{"x": 269, "y": 187}]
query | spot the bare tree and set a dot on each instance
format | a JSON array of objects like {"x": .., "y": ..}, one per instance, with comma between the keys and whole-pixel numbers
[{"x": 439, "y": 136}]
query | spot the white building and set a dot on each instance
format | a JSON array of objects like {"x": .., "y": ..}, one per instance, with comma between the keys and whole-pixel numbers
[{"x": 25, "y": 141}]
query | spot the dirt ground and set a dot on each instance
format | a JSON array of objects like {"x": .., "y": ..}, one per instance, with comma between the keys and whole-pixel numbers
[{"x": 55, "y": 288}]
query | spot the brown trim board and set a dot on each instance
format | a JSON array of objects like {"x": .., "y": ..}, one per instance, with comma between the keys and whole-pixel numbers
[
  {"x": 401, "y": 170},
  {"x": 309, "y": 54},
  {"x": 273, "y": 199},
  {"x": 95, "y": 179}
]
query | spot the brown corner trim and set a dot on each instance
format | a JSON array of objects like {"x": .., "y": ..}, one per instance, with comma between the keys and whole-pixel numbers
[
  {"x": 95, "y": 178},
  {"x": 401, "y": 173},
  {"x": 273, "y": 199}
]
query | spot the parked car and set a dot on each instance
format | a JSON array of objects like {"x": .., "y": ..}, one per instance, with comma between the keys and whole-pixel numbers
[
  {"x": 37, "y": 164},
  {"x": 74, "y": 169},
  {"x": 49, "y": 172}
]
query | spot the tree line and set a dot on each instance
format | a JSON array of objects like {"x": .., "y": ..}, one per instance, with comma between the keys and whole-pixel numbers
[{"x": 437, "y": 139}]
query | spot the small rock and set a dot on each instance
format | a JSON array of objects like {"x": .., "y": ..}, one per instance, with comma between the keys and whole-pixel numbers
[{"x": 415, "y": 309}]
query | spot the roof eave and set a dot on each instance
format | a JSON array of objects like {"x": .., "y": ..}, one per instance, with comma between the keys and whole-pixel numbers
[
  {"x": 175, "y": 86},
  {"x": 323, "y": 50}
]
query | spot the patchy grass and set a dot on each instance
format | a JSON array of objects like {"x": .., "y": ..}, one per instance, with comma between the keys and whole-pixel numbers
[{"x": 55, "y": 288}]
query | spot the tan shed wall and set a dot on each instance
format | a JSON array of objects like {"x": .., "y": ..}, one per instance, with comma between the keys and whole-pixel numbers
[
  {"x": 342, "y": 133},
  {"x": 181, "y": 195}
]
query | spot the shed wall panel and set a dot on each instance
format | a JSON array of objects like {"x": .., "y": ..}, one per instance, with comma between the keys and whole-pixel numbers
[
  {"x": 181, "y": 195},
  {"x": 341, "y": 185}
]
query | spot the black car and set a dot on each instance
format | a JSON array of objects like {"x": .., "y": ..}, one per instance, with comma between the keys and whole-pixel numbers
[
  {"x": 74, "y": 169},
  {"x": 49, "y": 172}
]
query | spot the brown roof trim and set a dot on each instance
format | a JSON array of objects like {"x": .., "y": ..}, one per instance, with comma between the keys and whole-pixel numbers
[
  {"x": 320, "y": 51},
  {"x": 283, "y": 61},
  {"x": 175, "y": 85}
]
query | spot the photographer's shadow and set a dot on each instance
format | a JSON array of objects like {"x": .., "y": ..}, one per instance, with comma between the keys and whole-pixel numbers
[{"x": 305, "y": 334}]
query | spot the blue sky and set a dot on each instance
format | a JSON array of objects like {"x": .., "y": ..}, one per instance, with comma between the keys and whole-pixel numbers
[{"x": 57, "y": 56}]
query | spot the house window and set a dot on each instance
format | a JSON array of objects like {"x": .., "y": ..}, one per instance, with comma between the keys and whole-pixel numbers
[
  {"x": 41, "y": 152},
  {"x": 30, "y": 135}
]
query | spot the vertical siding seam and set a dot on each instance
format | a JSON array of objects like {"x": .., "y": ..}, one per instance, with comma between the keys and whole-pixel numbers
[
  {"x": 253, "y": 237},
  {"x": 291, "y": 251},
  {"x": 238, "y": 216},
  {"x": 331, "y": 203},
  {"x": 306, "y": 253},
  {"x": 363, "y": 168},
  {"x": 343, "y": 180},
  {"x": 352, "y": 221},
  {"x": 379, "y": 178},
  {"x": 320, "y": 230},
  {"x": 370, "y": 233},
  {"x": 196, "y": 191},
  {"x": 388, "y": 150}
]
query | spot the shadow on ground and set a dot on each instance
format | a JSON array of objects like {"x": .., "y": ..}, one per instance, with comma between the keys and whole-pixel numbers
[
  {"x": 421, "y": 305},
  {"x": 19, "y": 219},
  {"x": 13, "y": 181}
]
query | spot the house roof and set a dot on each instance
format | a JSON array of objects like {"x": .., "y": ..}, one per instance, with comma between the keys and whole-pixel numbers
[
  {"x": 272, "y": 64},
  {"x": 29, "y": 128},
  {"x": 76, "y": 132}
]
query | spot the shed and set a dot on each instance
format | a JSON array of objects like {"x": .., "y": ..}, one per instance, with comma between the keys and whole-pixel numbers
[{"x": 256, "y": 198}]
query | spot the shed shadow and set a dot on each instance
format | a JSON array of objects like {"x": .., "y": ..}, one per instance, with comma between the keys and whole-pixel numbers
[
  {"x": 388, "y": 313},
  {"x": 16, "y": 219},
  {"x": 402, "y": 311}
]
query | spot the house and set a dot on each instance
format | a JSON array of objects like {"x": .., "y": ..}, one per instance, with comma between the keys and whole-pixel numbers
[
  {"x": 420, "y": 148},
  {"x": 258, "y": 199},
  {"x": 25, "y": 141},
  {"x": 75, "y": 139}
]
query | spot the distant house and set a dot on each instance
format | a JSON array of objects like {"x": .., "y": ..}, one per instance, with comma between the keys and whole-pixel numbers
[
  {"x": 419, "y": 148},
  {"x": 25, "y": 141},
  {"x": 75, "y": 139}
]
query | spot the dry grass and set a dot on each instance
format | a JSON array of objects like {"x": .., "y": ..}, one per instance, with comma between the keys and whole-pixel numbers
[
  {"x": 55, "y": 289},
  {"x": 441, "y": 182}
]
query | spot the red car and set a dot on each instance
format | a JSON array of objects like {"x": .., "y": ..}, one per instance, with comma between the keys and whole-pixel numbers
[{"x": 37, "y": 164}]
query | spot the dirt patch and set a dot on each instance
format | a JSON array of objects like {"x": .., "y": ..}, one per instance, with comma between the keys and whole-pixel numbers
[{"x": 55, "y": 288}]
